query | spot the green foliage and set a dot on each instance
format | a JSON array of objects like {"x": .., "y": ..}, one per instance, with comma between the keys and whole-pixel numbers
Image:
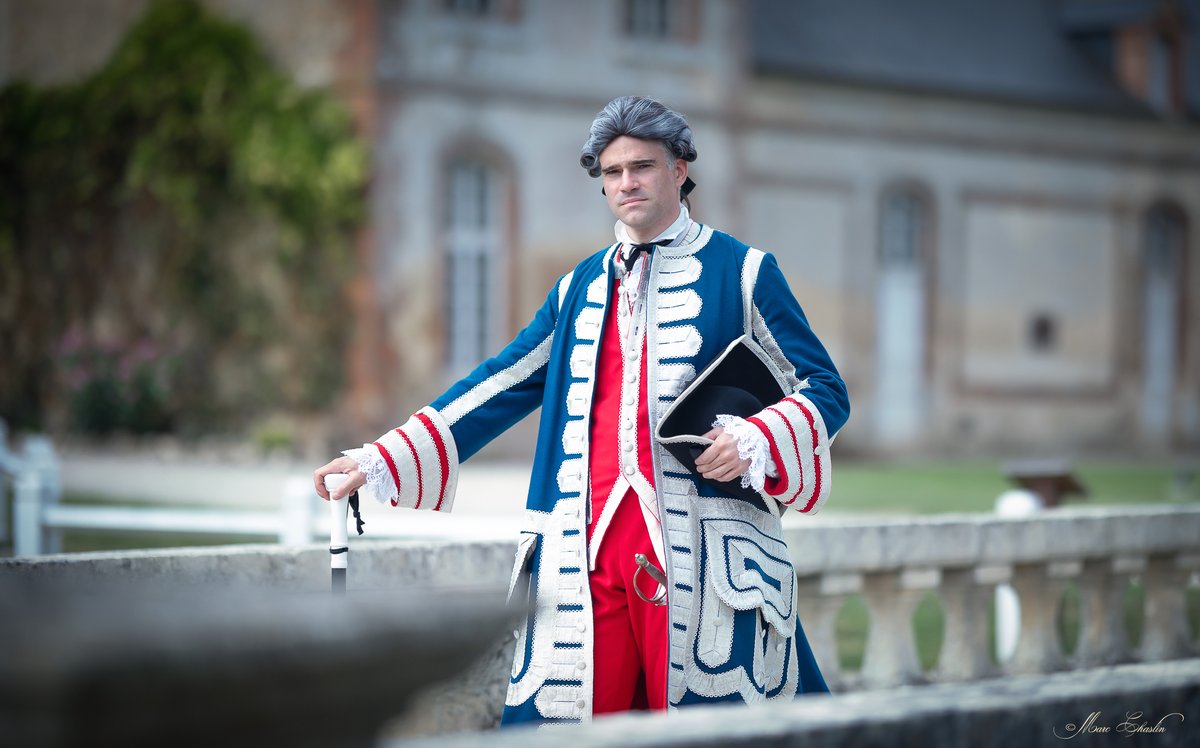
[
  {"x": 272, "y": 437},
  {"x": 188, "y": 194},
  {"x": 116, "y": 389}
]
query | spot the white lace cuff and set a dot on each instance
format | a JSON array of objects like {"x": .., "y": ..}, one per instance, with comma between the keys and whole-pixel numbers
[
  {"x": 753, "y": 446},
  {"x": 372, "y": 465}
]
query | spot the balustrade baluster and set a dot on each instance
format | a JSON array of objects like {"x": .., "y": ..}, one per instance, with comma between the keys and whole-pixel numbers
[
  {"x": 1039, "y": 590},
  {"x": 1102, "y": 637},
  {"x": 966, "y": 595},
  {"x": 1165, "y": 634},
  {"x": 821, "y": 598},
  {"x": 891, "y": 654}
]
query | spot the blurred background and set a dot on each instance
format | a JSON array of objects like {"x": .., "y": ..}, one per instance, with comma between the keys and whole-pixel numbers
[{"x": 237, "y": 236}]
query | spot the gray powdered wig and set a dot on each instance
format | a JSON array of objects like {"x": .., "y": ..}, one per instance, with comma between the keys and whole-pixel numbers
[{"x": 637, "y": 117}]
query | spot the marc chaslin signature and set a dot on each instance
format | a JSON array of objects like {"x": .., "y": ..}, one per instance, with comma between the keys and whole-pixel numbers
[{"x": 1132, "y": 724}]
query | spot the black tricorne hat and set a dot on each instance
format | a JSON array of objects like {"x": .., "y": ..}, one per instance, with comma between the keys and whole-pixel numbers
[{"x": 739, "y": 382}]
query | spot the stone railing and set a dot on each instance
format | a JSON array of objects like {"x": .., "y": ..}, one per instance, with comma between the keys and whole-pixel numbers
[
  {"x": 1154, "y": 704},
  {"x": 962, "y": 559},
  {"x": 892, "y": 564},
  {"x": 247, "y": 646}
]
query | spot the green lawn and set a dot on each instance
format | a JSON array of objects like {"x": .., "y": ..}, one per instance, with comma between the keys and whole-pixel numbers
[
  {"x": 78, "y": 541},
  {"x": 930, "y": 488}
]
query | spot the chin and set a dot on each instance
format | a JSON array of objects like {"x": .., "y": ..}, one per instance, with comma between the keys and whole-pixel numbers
[{"x": 635, "y": 219}]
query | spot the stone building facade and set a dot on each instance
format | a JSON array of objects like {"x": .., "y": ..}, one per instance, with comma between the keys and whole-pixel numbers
[{"x": 988, "y": 210}]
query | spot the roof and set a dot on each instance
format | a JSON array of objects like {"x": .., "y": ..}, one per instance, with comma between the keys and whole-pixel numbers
[{"x": 1014, "y": 49}]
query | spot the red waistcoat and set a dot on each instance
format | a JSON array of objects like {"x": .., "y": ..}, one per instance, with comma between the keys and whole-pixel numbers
[{"x": 605, "y": 459}]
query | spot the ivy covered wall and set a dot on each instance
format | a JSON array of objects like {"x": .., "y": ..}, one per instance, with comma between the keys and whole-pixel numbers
[{"x": 175, "y": 230}]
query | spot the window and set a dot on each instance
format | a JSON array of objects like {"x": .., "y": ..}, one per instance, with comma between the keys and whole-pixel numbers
[
  {"x": 900, "y": 243},
  {"x": 1163, "y": 269},
  {"x": 499, "y": 10},
  {"x": 1043, "y": 332},
  {"x": 900, "y": 317},
  {"x": 1164, "y": 242},
  {"x": 648, "y": 18},
  {"x": 661, "y": 20},
  {"x": 1160, "y": 75},
  {"x": 470, "y": 8},
  {"x": 473, "y": 296},
  {"x": 1150, "y": 64}
]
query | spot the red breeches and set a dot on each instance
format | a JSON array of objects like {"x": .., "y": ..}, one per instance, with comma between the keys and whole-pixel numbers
[{"x": 631, "y": 634}]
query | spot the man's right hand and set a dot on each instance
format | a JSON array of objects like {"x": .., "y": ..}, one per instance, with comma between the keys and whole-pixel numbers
[{"x": 344, "y": 465}]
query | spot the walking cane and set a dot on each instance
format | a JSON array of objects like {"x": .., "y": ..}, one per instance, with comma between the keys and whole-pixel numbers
[{"x": 339, "y": 544}]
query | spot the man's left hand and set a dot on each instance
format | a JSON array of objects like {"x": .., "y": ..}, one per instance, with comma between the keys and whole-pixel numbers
[{"x": 721, "y": 461}]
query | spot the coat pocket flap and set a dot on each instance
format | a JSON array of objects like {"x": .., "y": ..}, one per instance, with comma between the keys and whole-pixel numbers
[
  {"x": 525, "y": 550},
  {"x": 750, "y": 570}
]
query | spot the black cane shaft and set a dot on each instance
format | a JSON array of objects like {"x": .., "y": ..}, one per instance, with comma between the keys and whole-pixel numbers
[{"x": 338, "y": 578}]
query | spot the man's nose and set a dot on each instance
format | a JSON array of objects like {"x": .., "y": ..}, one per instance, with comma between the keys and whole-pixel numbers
[{"x": 628, "y": 181}]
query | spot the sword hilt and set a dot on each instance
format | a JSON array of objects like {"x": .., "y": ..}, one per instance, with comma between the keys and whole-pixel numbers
[{"x": 646, "y": 565}]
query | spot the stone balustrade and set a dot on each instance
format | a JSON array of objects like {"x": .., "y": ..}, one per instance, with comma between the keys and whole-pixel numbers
[
  {"x": 131, "y": 664},
  {"x": 892, "y": 564},
  {"x": 961, "y": 559},
  {"x": 1137, "y": 704}
]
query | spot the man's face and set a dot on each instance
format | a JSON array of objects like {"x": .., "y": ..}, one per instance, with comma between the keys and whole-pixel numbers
[{"x": 641, "y": 187}]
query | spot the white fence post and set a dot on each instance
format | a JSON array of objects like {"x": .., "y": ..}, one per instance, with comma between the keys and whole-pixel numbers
[
  {"x": 36, "y": 485},
  {"x": 295, "y": 512},
  {"x": 7, "y": 469},
  {"x": 42, "y": 461},
  {"x": 5, "y": 504},
  {"x": 27, "y": 514}
]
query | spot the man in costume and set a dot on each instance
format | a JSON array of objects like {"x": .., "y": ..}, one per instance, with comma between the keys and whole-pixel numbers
[{"x": 650, "y": 587}]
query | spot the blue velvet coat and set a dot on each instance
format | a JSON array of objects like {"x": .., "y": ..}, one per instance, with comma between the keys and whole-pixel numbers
[{"x": 735, "y": 632}]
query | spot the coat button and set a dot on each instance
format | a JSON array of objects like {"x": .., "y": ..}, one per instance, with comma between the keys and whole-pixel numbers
[
  {"x": 582, "y": 703},
  {"x": 581, "y": 627},
  {"x": 581, "y": 665}
]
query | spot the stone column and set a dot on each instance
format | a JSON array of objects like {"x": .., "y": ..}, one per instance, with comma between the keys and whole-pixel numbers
[
  {"x": 1039, "y": 590},
  {"x": 1102, "y": 637},
  {"x": 819, "y": 600},
  {"x": 1165, "y": 635},
  {"x": 891, "y": 654},
  {"x": 966, "y": 595}
]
